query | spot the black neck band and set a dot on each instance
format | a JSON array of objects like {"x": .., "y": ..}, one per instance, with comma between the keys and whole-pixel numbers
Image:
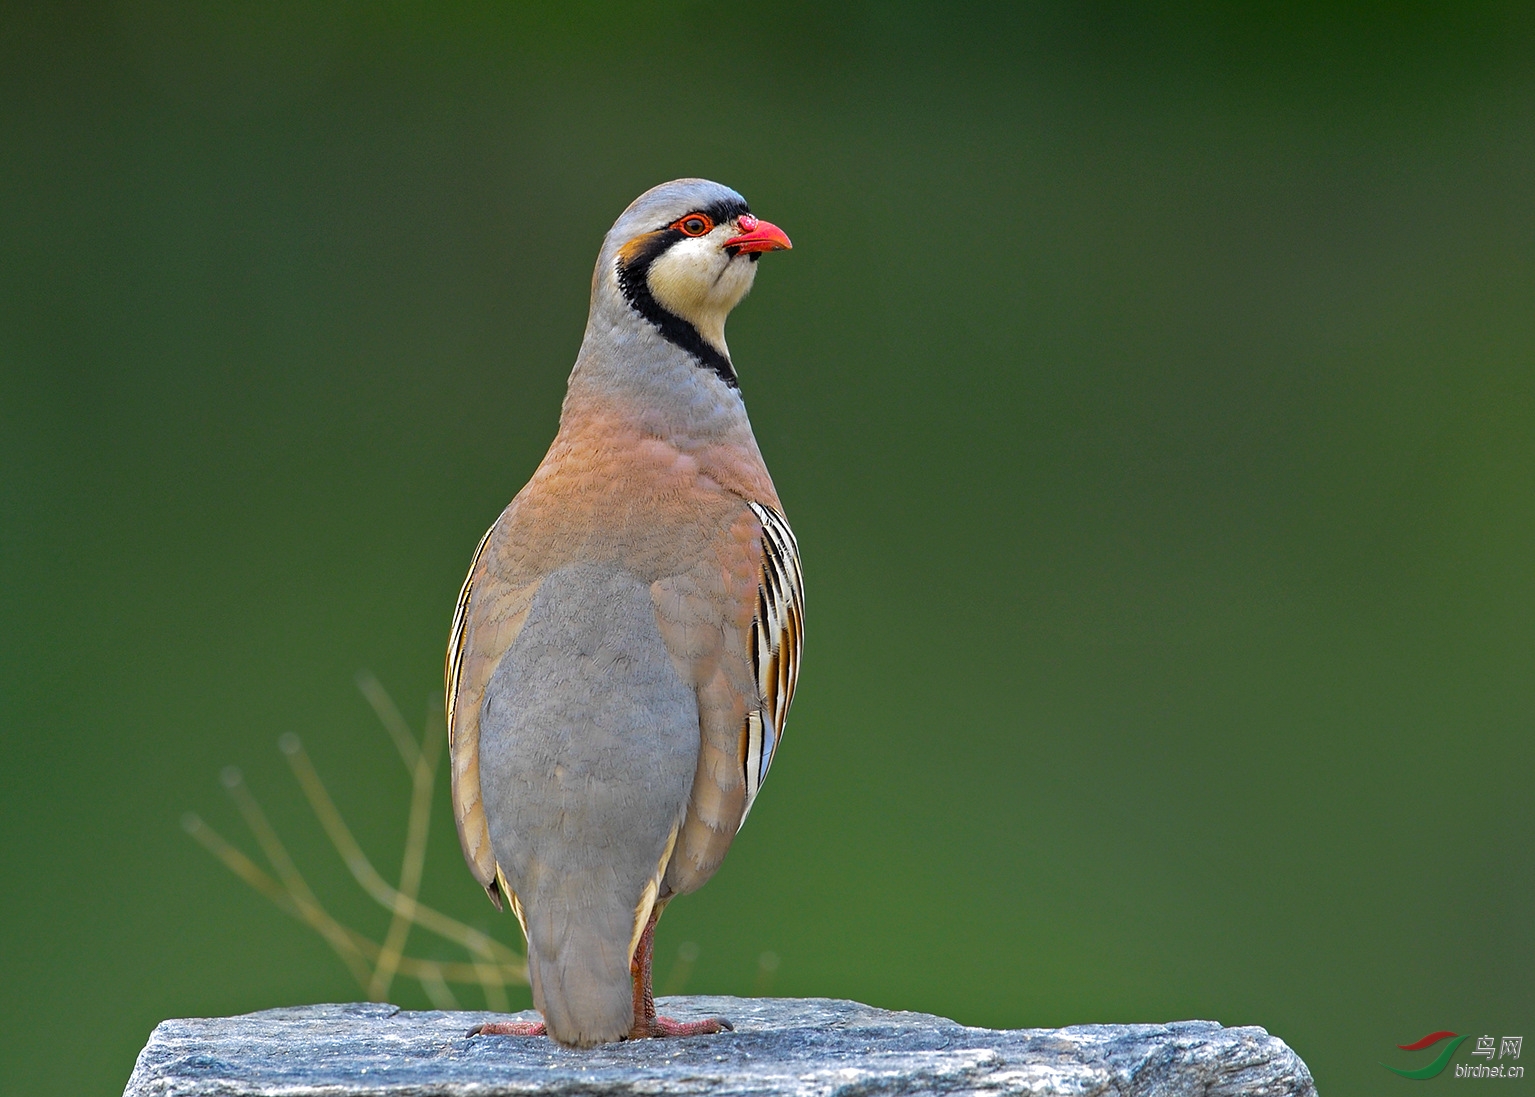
[{"x": 673, "y": 328}]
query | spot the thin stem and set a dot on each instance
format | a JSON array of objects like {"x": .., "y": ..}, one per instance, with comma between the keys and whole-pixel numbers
[
  {"x": 494, "y": 984},
  {"x": 437, "y": 990},
  {"x": 366, "y": 875},
  {"x": 335, "y": 935},
  {"x": 492, "y": 965},
  {"x": 411, "y": 864},
  {"x": 349, "y": 944},
  {"x": 266, "y": 838},
  {"x": 389, "y": 715}
]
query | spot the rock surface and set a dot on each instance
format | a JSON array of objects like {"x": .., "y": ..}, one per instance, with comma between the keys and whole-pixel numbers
[{"x": 795, "y": 1046}]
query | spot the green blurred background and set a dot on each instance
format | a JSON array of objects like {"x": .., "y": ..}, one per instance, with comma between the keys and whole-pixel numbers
[{"x": 1152, "y": 389}]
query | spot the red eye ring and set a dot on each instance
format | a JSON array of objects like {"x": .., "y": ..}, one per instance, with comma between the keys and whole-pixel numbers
[{"x": 694, "y": 224}]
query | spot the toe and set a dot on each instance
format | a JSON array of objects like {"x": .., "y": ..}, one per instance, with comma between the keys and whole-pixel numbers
[{"x": 508, "y": 1028}]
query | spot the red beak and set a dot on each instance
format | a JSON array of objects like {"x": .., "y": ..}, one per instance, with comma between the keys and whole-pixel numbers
[{"x": 757, "y": 236}]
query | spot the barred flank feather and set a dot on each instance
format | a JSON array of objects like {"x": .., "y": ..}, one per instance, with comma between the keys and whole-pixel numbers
[{"x": 777, "y": 634}]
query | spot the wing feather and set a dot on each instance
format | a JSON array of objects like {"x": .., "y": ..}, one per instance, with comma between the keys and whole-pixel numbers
[
  {"x": 733, "y": 623},
  {"x": 777, "y": 634},
  {"x": 489, "y": 615},
  {"x": 457, "y": 632}
]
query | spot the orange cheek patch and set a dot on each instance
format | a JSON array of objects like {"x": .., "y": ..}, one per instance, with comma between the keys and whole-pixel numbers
[{"x": 637, "y": 247}]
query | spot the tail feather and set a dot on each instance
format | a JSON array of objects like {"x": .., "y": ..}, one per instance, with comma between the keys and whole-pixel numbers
[{"x": 579, "y": 969}]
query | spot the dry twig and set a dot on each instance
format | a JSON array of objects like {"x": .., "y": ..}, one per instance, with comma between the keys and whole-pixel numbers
[{"x": 492, "y": 966}]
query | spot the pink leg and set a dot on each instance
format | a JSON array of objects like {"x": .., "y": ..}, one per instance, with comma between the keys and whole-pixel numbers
[
  {"x": 508, "y": 1028},
  {"x": 647, "y": 1024}
]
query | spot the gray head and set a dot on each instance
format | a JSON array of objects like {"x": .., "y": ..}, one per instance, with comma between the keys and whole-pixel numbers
[{"x": 679, "y": 259}]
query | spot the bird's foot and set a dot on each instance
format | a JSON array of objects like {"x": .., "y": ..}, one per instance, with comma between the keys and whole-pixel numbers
[
  {"x": 647, "y": 1024},
  {"x": 508, "y": 1028},
  {"x": 655, "y": 1028}
]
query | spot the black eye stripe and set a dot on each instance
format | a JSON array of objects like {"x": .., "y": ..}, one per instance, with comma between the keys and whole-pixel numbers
[{"x": 718, "y": 212}]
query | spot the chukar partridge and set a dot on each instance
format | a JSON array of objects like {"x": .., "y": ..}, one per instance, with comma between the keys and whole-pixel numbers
[{"x": 627, "y": 642}]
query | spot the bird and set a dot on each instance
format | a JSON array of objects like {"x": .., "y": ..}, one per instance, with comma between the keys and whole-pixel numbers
[{"x": 627, "y": 643}]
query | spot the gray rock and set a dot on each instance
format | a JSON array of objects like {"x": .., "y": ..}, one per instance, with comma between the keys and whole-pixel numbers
[{"x": 813, "y": 1046}]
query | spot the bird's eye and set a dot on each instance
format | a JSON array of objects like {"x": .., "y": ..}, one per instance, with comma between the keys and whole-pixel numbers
[{"x": 695, "y": 224}]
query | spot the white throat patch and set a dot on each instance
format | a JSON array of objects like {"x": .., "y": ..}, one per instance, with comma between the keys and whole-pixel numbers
[{"x": 696, "y": 280}]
